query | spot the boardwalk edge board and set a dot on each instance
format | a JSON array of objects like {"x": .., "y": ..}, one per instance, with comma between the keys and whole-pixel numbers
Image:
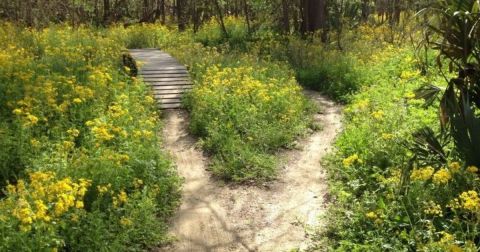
[{"x": 168, "y": 79}]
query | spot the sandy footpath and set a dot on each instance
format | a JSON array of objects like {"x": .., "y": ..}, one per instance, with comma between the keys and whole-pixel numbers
[{"x": 218, "y": 217}]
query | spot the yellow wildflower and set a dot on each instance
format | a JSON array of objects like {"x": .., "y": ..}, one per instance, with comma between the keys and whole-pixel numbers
[
  {"x": 122, "y": 197},
  {"x": 454, "y": 248},
  {"x": 423, "y": 174},
  {"x": 67, "y": 145},
  {"x": 470, "y": 200},
  {"x": 387, "y": 136},
  {"x": 77, "y": 100},
  {"x": 446, "y": 237},
  {"x": 34, "y": 142},
  {"x": 137, "y": 183},
  {"x": 349, "y": 161},
  {"x": 41, "y": 213},
  {"x": 378, "y": 115},
  {"x": 79, "y": 204},
  {"x": 454, "y": 167},
  {"x": 103, "y": 189},
  {"x": 73, "y": 132},
  {"x": 124, "y": 221},
  {"x": 32, "y": 120},
  {"x": 472, "y": 169},
  {"x": 442, "y": 176},
  {"x": 102, "y": 133},
  {"x": 371, "y": 215},
  {"x": 17, "y": 111},
  {"x": 433, "y": 209},
  {"x": 23, "y": 212}
]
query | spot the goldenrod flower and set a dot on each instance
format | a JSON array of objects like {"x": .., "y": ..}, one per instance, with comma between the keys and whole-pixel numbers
[
  {"x": 470, "y": 200},
  {"x": 454, "y": 167},
  {"x": 423, "y": 174},
  {"x": 472, "y": 169},
  {"x": 442, "y": 176},
  {"x": 371, "y": 215},
  {"x": 349, "y": 161},
  {"x": 124, "y": 221}
]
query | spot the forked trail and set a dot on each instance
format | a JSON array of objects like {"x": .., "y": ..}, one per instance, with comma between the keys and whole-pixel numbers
[{"x": 218, "y": 217}]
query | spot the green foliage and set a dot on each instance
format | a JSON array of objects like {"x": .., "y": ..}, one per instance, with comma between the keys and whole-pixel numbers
[
  {"x": 81, "y": 148},
  {"x": 242, "y": 114},
  {"x": 383, "y": 200},
  {"x": 454, "y": 25}
]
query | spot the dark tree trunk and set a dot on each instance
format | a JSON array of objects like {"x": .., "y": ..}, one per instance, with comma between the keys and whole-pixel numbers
[
  {"x": 181, "y": 15},
  {"x": 304, "y": 16},
  {"x": 247, "y": 15},
  {"x": 162, "y": 9},
  {"x": 106, "y": 12},
  {"x": 365, "y": 10},
  {"x": 317, "y": 13},
  {"x": 220, "y": 17},
  {"x": 397, "y": 9},
  {"x": 145, "y": 11},
  {"x": 285, "y": 17}
]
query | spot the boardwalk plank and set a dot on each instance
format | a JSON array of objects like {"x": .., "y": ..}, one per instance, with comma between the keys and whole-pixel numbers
[
  {"x": 168, "y": 78},
  {"x": 170, "y": 106}
]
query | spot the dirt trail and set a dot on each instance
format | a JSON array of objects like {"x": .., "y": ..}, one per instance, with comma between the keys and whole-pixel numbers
[{"x": 218, "y": 217}]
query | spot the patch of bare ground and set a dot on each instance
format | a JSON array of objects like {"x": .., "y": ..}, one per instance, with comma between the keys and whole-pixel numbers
[{"x": 218, "y": 217}]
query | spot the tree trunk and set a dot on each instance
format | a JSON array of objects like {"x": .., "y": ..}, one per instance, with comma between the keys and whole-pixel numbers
[
  {"x": 181, "y": 15},
  {"x": 145, "y": 11},
  {"x": 365, "y": 10},
  {"x": 247, "y": 15},
  {"x": 304, "y": 16},
  {"x": 106, "y": 12},
  {"x": 220, "y": 17},
  {"x": 285, "y": 17},
  {"x": 317, "y": 15},
  {"x": 162, "y": 9}
]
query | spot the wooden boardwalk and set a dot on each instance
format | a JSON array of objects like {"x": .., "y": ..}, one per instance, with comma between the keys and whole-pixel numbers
[{"x": 168, "y": 78}]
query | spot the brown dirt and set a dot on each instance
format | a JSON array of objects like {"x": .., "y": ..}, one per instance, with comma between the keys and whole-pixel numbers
[{"x": 218, "y": 217}]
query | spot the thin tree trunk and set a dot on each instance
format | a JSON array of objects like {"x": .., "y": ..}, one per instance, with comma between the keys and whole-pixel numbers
[
  {"x": 162, "y": 8},
  {"x": 285, "y": 17},
  {"x": 304, "y": 16},
  {"x": 220, "y": 16},
  {"x": 365, "y": 10},
  {"x": 247, "y": 15}
]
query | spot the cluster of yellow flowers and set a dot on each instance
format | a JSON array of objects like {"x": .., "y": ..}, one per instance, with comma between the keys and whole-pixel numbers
[
  {"x": 442, "y": 176},
  {"x": 104, "y": 131},
  {"x": 422, "y": 174},
  {"x": 44, "y": 198},
  {"x": 433, "y": 209},
  {"x": 470, "y": 201},
  {"x": 351, "y": 160},
  {"x": 378, "y": 115}
]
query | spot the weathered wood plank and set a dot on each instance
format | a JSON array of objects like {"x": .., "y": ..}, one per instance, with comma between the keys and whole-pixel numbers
[
  {"x": 157, "y": 79},
  {"x": 168, "y": 78},
  {"x": 170, "y": 101},
  {"x": 170, "y": 106},
  {"x": 169, "y": 91},
  {"x": 165, "y": 75},
  {"x": 168, "y": 96},
  {"x": 169, "y": 83},
  {"x": 176, "y": 87}
]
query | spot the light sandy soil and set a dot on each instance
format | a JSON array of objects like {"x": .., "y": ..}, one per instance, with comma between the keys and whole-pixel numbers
[{"x": 218, "y": 217}]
